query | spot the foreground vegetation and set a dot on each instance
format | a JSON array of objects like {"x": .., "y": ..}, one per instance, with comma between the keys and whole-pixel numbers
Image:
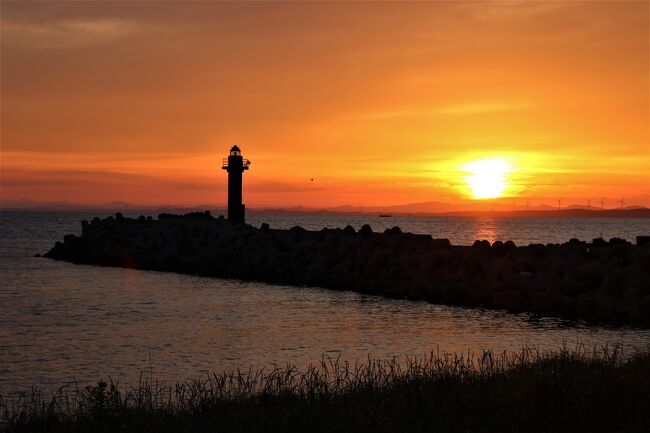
[{"x": 567, "y": 391}]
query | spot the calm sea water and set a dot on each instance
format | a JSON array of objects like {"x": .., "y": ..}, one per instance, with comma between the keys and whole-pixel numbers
[{"x": 61, "y": 322}]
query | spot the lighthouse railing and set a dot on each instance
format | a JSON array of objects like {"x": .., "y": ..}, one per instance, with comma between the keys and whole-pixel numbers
[{"x": 245, "y": 164}]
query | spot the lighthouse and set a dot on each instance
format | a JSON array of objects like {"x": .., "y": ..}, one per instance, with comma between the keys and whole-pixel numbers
[{"x": 235, "y": 165}]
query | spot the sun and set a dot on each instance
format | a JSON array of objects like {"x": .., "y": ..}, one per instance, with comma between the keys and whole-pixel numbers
[{"x": 488, "y": 179}]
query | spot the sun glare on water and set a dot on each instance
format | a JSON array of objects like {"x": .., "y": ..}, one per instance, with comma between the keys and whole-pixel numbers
[{"x": 488, "y": 179}]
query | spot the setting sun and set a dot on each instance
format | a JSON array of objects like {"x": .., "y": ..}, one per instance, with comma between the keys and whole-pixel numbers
[{"x": 488, "y": 178}]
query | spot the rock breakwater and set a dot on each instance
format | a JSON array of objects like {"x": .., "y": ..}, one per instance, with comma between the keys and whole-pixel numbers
[{"x": 607, "y": 281}]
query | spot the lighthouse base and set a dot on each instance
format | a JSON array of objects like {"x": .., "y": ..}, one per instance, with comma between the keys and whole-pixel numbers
[{"x": 237, "y": 214}]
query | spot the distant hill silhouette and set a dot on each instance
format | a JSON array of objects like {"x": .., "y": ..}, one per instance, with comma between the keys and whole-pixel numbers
[
  {"x": 566, "y": 213},
  {"x": 423, "y": 208}
]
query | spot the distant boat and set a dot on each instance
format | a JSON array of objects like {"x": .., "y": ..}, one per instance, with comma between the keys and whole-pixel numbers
[{"x": 385, "y": 216}]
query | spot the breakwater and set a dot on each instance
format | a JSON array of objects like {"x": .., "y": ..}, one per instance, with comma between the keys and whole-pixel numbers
[{"x": 600, "y": 281}]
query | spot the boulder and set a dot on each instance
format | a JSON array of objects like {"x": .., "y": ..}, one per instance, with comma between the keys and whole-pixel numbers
[
  {"x": 599, "y": 242},
  {"x": 365, "y": 230},
  {"x": 643, "y": 241},
  {"x": 349, "y": 230}
]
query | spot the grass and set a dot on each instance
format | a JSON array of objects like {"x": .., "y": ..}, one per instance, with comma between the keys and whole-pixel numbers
[{"x": 528, "y": 391}]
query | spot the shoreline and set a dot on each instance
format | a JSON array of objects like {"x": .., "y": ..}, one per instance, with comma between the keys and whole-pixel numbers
[{"x": 600, "y": 281}]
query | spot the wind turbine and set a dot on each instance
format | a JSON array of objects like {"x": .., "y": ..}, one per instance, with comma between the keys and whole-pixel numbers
[
  {"x": 559, "y": 203},
  {"x": 622, "y": 202},
  {"x": 588, "y": 204},
  {"x": 602, "y": 204}
]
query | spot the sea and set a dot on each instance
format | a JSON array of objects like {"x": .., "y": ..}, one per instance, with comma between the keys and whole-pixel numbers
[{"x": 64, "y": 326}]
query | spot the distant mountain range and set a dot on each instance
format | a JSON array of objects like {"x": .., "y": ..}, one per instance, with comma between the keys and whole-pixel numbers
[
  {"x": 424, "y": 208},
  {"x": 631, "y": 212}
]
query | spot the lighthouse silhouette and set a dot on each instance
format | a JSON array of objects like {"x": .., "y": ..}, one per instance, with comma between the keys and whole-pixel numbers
[{"x": 235, "y": 165}]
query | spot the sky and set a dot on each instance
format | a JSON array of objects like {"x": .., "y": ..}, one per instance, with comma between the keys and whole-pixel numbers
[{"x": 378, "y": 103}]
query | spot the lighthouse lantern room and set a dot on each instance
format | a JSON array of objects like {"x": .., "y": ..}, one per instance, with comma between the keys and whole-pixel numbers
[{"x": 235, "y": 165}]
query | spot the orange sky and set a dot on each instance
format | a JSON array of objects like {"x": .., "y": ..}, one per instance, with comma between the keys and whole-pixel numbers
[{"x": 380, "y": 103}]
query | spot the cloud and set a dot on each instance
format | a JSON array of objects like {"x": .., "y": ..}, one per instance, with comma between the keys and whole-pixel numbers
[
  {"x": 459, "y": 109},
  {"x": 480, "y": 108},
  {"x": 66, "y": 33},
  {"x": 45, "y": 178},
  {"x": 273, "y": 187},
  {"x": 511, "y": 10}
]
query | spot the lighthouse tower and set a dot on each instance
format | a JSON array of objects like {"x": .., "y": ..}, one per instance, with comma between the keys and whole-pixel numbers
[{"x": 235, "y": 165}]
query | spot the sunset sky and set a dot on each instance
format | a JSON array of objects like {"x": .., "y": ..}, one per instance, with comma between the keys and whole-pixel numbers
[{"x": 379, "y": 103}]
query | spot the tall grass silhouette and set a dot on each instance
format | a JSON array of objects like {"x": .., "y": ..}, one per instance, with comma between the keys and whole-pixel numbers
[{"x": 527, "y": 391}]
